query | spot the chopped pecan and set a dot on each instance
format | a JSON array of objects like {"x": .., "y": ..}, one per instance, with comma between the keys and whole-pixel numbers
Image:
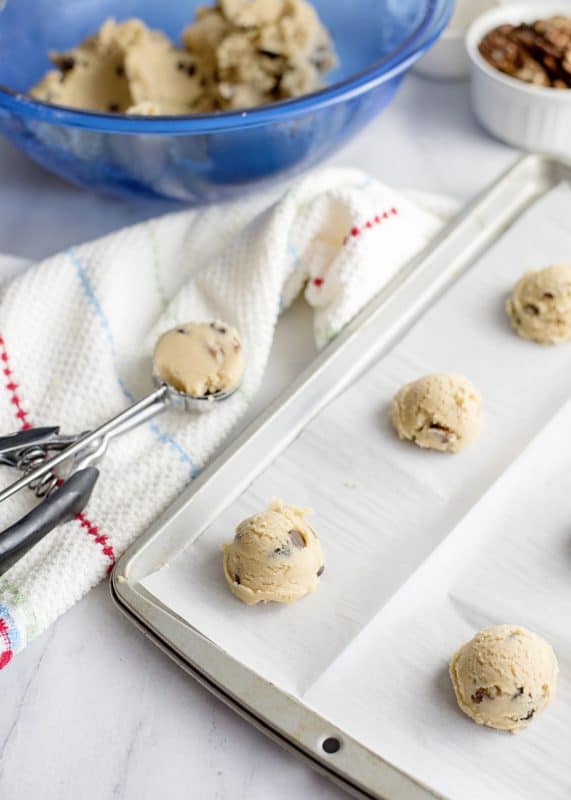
[
  {"x": 442, "y": 433},
  {"x": 297, "y": 539},
  {"x": 538, "y": 53}
]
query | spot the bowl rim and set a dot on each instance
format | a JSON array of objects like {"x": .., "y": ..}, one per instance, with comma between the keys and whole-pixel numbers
[
  {"x": 430, "y": 27},
  {"x": 515, "y": 13}
]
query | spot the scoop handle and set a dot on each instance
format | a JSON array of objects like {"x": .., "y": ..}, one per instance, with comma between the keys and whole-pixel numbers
[
  {"x": 59, "y": 507},
  {"x": 133, "y": 415}
]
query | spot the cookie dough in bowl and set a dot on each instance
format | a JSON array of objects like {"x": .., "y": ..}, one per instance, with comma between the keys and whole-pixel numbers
[
  {"x": 237, "y": 54},
  {"x": 504, "y": 677},
  {"x": 200, "y": 358},
  {"x": 260, "y": 51},
  {"x": 122, "y": 68},
  {"x": 540, "y": 305},
  {"x": 275, "y": 556},
  {"x": 92, "y": 74},
  {"x": 438, "y": 412}
]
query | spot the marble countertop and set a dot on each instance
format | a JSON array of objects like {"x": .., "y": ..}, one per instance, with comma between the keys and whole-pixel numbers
[{"x": 90, "y": 710}]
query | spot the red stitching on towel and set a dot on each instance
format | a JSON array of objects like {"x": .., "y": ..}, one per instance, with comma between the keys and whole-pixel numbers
[
  {"x": 370, "y": 223},
  {"x": 12, "y": 387},
  {"x": 99, "y": 538},
  {"x": 6, "y": 655},
  {"x": 21, "y": 415}
]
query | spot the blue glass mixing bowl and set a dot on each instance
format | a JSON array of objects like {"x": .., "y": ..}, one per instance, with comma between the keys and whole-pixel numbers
[{"x": 213, "y": 156}]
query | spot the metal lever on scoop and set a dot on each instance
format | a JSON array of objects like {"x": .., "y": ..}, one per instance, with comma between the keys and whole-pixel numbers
[
  {"x": 24, "y": 439},
  {"x": 29, "y": 449}
]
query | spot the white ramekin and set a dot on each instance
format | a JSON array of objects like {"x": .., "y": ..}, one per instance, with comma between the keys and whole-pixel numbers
[{"x": 529, "y": 117}]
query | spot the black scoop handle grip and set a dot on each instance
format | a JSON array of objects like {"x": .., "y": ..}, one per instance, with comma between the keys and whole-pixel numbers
[{"x": 59, "y": 507}]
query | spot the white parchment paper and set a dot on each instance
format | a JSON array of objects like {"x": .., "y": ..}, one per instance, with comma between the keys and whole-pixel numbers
[{"x": 422, "y": 549}]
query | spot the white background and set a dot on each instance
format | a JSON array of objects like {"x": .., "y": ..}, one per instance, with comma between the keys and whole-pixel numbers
[{"x": 90, "y": 710}]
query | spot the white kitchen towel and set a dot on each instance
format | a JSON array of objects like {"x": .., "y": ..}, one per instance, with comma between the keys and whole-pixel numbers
[{"x": 77, "y": 331}]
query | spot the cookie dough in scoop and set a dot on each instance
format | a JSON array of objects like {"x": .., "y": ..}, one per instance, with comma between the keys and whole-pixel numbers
[
  {"x": 200, "y": 358},
  {"x": 540, "y": 305},
  {"x": 275, "y": 556},
  {"x": 439, "y": 412},
  {"x": 504, "y": 677}
]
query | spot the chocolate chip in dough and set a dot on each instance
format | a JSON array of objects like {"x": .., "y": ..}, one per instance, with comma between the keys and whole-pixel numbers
[
  {"x": 65, "y": 63},
  {"x": 189, "y": 68},
  {"x": 479, "y": 695},
  {"x": 321, "y": 57},
  {"x": 269, "y": 54},
  {"x": 484, "y": 693}
]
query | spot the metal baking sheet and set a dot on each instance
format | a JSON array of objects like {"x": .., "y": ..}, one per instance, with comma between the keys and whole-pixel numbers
[{"x": 416, "y": 505}]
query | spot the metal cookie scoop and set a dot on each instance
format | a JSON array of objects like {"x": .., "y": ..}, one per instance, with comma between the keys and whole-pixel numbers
[{"x": 38, "y": 451}]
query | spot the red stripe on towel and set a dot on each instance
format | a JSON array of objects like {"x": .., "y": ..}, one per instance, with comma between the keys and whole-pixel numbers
[
  {"x": 7, "y": 653},
  {"x": 22, "y": 415}
]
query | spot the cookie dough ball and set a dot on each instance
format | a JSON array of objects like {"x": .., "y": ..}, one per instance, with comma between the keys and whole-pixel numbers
[
  {"x": 275, "y": 556},
  {"x": 504, "y": 676},
  {"x": 440, "y": 412},
  {"x": 540, "y": 305},
  {"x": 200, "y": 358}
]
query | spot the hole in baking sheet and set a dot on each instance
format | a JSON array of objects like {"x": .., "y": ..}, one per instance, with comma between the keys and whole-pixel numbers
[{"x": 331, "y": 745}]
